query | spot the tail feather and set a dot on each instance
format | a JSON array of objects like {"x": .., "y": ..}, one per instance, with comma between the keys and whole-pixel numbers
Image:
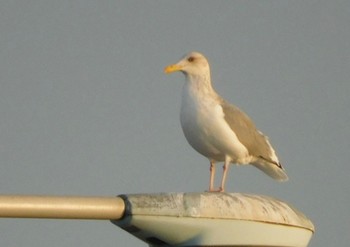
[{"x": 276, "y": 171}]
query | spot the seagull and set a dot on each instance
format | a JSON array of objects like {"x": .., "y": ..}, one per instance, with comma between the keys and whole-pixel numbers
[{"x": 217, "y": 129}]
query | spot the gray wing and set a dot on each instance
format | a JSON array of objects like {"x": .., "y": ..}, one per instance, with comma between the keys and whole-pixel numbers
[{"x": 256, "y": 143}]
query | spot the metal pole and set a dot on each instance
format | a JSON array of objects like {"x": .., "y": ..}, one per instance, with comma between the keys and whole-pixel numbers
[{"x": 61, "y": 207}]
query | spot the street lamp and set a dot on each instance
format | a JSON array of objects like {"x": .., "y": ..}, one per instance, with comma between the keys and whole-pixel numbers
[{"x": 179, "y": 219}]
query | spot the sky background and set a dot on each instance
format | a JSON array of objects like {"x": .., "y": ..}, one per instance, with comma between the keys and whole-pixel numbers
[{"x": 86, "y": 108}]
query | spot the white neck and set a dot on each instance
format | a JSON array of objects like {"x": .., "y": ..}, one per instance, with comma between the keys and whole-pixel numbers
[{"x": 200, "y": 83}]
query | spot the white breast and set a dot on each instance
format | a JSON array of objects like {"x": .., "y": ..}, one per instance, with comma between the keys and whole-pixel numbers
[{"x": 204, "y": 126}]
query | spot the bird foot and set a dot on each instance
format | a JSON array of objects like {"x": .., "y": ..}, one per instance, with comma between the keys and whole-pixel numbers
[{"x": 216, "y": 190}]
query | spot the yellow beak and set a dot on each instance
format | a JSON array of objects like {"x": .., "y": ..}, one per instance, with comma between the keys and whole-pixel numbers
[{"x": 172, "y": 68}]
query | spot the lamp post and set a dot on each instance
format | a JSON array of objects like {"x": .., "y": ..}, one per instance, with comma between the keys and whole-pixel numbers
[{"x": 178, "y": 219}]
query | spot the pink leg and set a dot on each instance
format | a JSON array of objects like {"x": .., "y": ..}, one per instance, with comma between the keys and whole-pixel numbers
[
  {"x": 225, "y": 169},
  {"x": 212, "y": 175}
]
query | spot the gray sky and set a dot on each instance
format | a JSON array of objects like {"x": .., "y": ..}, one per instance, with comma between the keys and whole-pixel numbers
[{"x": 86, "y": 109}]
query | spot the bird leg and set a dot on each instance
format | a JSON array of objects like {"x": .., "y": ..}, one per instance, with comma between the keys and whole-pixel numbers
[
  {"x": 212, "y": 175},
  {"x": 224, "y": 174}
]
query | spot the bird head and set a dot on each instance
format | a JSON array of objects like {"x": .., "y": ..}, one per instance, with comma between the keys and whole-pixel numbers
[{"x": 192, "y": 64}]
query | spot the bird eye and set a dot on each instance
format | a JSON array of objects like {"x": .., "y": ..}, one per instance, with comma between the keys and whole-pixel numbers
[{"x": 190, "y": 59}]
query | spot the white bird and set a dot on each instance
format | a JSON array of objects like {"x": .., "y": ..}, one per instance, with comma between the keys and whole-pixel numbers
[{"x": 218, "y": 130}]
